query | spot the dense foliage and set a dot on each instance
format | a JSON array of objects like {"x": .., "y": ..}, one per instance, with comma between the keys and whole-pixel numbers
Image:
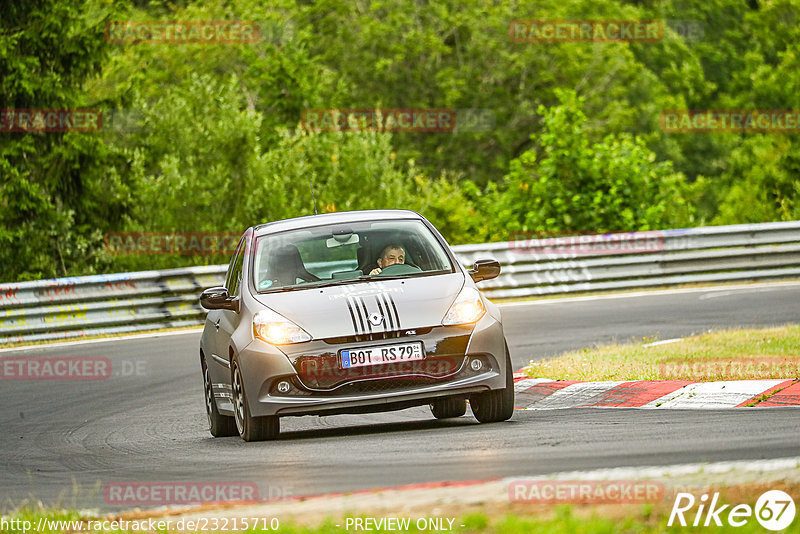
[{"x": 208, "y": 137}]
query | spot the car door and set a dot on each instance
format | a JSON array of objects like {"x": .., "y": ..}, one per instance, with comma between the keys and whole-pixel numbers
[
  {"x": 222, "y": 324},
  {"x": 229, "y": 319}
]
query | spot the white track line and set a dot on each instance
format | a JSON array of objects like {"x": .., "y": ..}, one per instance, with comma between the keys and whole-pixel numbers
[
  {"x": 152, "y": 335},
  {"x": 673, "y": 471},
  {"x": 663, "y": 342},
  {"x": 634, "y": 294}
]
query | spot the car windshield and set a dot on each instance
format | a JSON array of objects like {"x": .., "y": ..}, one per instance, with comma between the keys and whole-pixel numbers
[{"x": 345, "y": 253}]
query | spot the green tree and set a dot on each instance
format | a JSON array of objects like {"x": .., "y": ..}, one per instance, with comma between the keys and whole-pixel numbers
[
  {"x": 55, "y": 199},
  {"x": 458, "y": 54},
  {"x": 763, "y": 182},
  {"x": 570, "y": 184},
  {"x": 218, "y": 125}
]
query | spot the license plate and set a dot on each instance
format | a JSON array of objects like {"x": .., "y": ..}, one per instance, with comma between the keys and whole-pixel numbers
[{"x": 383, "y": 354}]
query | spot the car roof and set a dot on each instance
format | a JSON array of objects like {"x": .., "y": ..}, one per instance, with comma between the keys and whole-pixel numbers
[{"x": 339, "y": 217}]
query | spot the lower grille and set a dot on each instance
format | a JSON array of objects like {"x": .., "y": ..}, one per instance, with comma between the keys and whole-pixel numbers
[
  {"x": 374, "y": 386},
  {"x": 377, "y": 385}
]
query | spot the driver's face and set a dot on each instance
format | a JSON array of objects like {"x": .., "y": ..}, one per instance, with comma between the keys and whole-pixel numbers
[{"x": 392, "y": 256}]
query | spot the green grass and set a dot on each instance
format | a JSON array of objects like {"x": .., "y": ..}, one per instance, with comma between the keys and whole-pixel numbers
[
  {"x": 33, "y": 515},
  {"x": 725, "y": 355}
]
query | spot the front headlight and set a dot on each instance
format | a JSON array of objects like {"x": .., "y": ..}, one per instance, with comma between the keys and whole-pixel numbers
[
  {"x": 467, "y": 308},
  {"x": 277, "y": 329}
]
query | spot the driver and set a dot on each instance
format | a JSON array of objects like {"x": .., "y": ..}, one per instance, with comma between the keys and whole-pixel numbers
[{"x": 391, "y": 254}]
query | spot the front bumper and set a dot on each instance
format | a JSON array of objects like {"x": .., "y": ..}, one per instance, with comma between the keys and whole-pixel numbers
[{"x": 446, "y": 371}]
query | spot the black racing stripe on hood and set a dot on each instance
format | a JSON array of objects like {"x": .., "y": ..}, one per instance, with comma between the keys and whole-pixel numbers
[
  {"x": 396, "y": 315},
  {"x": 392, "y": 319},
  {"x": 360, "y": 300},
  {"x": 361, "y": 318},
  {"x": 388, "y": 323},
  {"x": 352, "y": 316}
]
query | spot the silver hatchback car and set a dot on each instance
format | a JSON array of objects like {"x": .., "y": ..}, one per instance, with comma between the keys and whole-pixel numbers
[{"x": 350, "y": 312}]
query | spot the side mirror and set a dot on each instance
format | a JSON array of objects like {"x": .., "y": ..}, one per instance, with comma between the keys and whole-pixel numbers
[
  {"x": 485, "y": 270},
  {"x": 217, "y": 298}
]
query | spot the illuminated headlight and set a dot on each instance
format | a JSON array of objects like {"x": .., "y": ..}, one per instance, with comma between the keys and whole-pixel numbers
[
  {"x": 276, "y": 329},
  {"x": 467, "y": 308}
]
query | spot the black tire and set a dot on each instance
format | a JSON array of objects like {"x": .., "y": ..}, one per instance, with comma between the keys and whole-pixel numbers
[
  {"x": 449, "y": 407},
  {"x": 497, "y": 405},
  {"x": 219, "y": 425},
  {"x": 250, "y": 428}
]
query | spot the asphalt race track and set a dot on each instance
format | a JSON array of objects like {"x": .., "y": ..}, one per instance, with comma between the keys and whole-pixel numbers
[{"x": 62, "y": 441}]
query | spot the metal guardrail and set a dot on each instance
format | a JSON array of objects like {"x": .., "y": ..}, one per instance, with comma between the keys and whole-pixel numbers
[{"x": 129, "y": 302}]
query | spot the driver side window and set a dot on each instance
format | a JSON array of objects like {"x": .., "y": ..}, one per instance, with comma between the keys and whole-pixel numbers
[{"x": 233, "y": 281}]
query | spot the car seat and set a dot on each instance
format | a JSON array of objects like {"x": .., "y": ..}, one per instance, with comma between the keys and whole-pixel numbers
[{"x": 286, "y": 266}]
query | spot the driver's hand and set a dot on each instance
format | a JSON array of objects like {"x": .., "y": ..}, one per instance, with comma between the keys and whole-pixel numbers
[{"x": 376, "y": 270}]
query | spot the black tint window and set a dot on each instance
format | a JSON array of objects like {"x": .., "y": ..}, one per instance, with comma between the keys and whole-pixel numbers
[{"x": 234, "y": 279}]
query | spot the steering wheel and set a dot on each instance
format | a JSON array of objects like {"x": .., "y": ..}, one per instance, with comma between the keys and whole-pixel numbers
[{"x": 399, "y": 268}]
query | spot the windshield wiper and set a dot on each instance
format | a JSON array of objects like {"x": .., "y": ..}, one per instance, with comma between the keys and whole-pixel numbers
[
  {"x": 338, "y": 282},
  {"x": 374, "y": 277},
  {"x": 399, "y": 276},
  {"x": 344, "y": 281},
  {"x": 282, "y": 289},
  {"x": 363, "y": 278},
  {"x": 312, "y": 286}
]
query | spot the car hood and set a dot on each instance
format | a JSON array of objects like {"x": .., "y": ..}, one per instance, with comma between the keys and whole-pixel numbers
[{"x": 346, "y": 310}]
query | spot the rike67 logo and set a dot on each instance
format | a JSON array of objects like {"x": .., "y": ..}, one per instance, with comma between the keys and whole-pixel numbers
[{"x": 774, "y": 510}]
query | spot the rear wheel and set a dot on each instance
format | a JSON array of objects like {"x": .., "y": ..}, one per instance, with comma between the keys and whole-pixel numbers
[
  {"x": 450, "y": 407},
  {"x": 496, "y": 405},
  {"x": 250, "y": 428},
  {"x": 219, "y": 425}
]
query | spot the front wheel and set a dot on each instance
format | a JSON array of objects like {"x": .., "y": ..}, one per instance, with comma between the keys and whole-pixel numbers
[
  {"x": 496, "y": 405},
  {"x": 219, "y": 425},
  {"x": 250, "y": 428},
  {"x": 448, "y": 408}
]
